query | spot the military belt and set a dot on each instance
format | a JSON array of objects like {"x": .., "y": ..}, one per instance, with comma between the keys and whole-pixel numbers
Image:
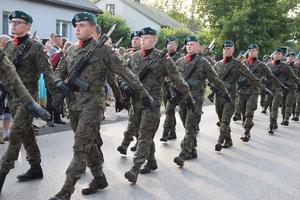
[{"x": 92, "y": 88}]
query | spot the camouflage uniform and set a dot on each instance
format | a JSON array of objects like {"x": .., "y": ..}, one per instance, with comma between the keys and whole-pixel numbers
[
  {"x": 197, "y": 83},
  {"x": 248, "y": 94},
  {"x": 148, "y": 121},
  {"x": 225, "y": 110},
  {"x": 33, "y": 63},
  {"x": 296, "y": 106},
  {"x": 86, "y": 110},
  {"x": 286, "y": 72}
]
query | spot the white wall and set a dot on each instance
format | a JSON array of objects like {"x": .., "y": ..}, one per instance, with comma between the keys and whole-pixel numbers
[
  {"x": 44, "y": 16},
  {"x": 135, "y": 20}
]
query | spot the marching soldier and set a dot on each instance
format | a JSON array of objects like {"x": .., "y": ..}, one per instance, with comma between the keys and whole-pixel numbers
[
  {"x": 131, "y": 129},
  {"x": 233, "y": 69},
  {"x": 248, "y": 93},
  {"x": 283, "y": 72},
  {"x": 87, "y": 108},
  {"x": 170, "y": 120},
  {"x": 197, "y": 83},
  {"x": 153, "y": 78},
  {"x": 297, "y": 103},
  {"x": 30, "y": 61}
]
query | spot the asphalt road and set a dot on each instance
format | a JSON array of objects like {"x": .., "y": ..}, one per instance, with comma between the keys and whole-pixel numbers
[{"x": 267, "y": 167}]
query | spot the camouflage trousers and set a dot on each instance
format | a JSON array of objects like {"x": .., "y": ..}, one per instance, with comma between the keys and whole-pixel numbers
[
  {"x": 170, "y": 120},
  {"x": 131, "y": 130},
  {"x": 148, "y": 123},
  {"x": 86, "y": 126},
  {"x": 248, "y": 104},
  {"x": 237, "y": 106},
  {"x": 190, "y": 122},
  {"x": 224, "y": 111},
  {"x": 296, "y": 104},
  {"x": 288, "y": 100},
  {"x": 21, "y": 133},
  {"x": 276, "y": 100},
  {"x": 263, "y": 98}
]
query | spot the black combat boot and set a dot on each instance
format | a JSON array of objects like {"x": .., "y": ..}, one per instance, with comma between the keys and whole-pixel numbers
[
  {"x": 237, "y": 117},
  {"x": 179, "y": 160},
  {"x": 246, "y": 136},
  {"x": 123, "y": 148},
  {"x": 271, "y": 130},
  {"x": 192, "y": 155},
  {"x": 2, "y": 179},
  {"x": 172, "y": 135},
  {"x": 285, "y": 122},
  {"x": 96, "y": 184},
  {"x": 164, "y": 137},
  {"x": 134, "y": 147},
  {"x": 62, "y": 195},
  {"x": 228, "y": 143},
  {"x": 132, "y": 175},
  {"x": 150, "y": 165},
  {"x": 275, "y": 126},
  {"x": 296, "y": 118},
  {"x": 35, "y": 172}
]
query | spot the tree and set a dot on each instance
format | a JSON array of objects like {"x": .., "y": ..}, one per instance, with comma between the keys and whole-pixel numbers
[
  {"x": 106, "y": 21},
  {"x": 265, "y": 22}
]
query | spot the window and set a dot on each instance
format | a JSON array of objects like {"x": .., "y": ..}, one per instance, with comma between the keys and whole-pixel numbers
[
  {"x": 5, "y": 27},
  {"x": 111, "y": 8},
  {"x": 63, "y": 28}
]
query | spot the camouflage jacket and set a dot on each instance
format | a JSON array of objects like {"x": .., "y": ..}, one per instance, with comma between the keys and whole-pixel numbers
[
  {"x": 164, "y": 67},
  {"x": 197, "y": 81},
  {"x": 286, "y": 75},
  {"x": 238, "y": 70},
  {"x": 11, "y": 80},
  {"x": 95, "y": 74},
  {"x": 261, "y": 71},
  {"x": 34, "y": 62}
]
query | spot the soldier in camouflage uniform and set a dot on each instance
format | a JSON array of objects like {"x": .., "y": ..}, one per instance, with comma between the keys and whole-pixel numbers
[
  {"x": 170, "y": 120},
  {"x": 283, "y": 72},
  {"x": 131, "y": 129},
  {"x": 153, "y": 80},
  {"x": 248, "y": 93},
  {"x": 197, "y": 83},
  {"x": 289, "y": 97},
  {"x": 87, "y": 108},
  {"x": 16, "y": 88},
  {"x": 224, "y": 109},
  {"x": 297, "y": 103},
  {"x": 33, "y": 62}
]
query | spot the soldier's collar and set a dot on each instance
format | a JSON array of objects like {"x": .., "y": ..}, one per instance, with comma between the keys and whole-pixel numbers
[
  {"x": 276, "y": 62},
  {"x": 227, "y": 59},
  {"x": 20, "y": 40},
  {"x": 146, "y": 52},
  {"x": 84, "y": 43}
]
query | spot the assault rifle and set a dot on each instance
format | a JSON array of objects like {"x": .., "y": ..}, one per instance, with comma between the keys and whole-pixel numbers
[
  {"x": 225, "y": 76},
  {"x": 72, "y": 80},
  {"x": 243, "y": 82},
  {"x": 181, "y": 49},
  {"x": 26, "y": 47},
  {"x": 189, "y": 72},
  {"x": 114, "y": 46}
]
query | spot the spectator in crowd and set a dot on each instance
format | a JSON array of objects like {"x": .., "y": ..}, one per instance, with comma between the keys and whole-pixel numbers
[{"x": 57, "y": 44}]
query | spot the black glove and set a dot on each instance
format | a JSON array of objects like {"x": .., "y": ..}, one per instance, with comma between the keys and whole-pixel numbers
[
  {"x": 228, "y": 98},
  {"x": 190, "y": 102},
  {"x": 174, "y": 100},
  {"x": 286, "y": 89},
  {"x": 267, "y": 91},
  {"x": 129, "y": 91},
  {"x": 37, "y": 111},
  {"x": 119, "y": 106},
  {"x": 62, "y": 88},
  {"x": 147, "y": 102}
]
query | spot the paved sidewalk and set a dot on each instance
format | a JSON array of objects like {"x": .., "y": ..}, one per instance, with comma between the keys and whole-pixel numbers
[{"x": 267, "y": 167}]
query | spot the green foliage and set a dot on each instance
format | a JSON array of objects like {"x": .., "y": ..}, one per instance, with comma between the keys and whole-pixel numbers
[
  {"x": 265, "y": 22},
  {"x": 106, "y": 21}
]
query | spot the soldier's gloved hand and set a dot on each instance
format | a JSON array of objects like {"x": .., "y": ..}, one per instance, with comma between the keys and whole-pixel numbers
[
  {"x": 62, "y": 88},
  {"x": 286, "y": 89},
  {"x": 119, "y": 106},
  {"x": 190, "y": 102},
  {"x": 227, "y": 97},
  {"x": 267, "y": 91},
  {"x": 147, "y": 102},
  {"x": 37, "y": 111}
]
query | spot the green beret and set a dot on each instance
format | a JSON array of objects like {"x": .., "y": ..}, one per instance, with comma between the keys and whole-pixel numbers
[
  {"x": 265, "y": 56},
  {"x": 148, "y": 31},
  {"x": 191, "y": 38},
  {"x": 20, "y": 15},
  {"x": 172, "y": 38},
  {"x": 98, "y": 27},
  {"x": 291, "y": 54},
  {"x": 253, "y": 46},
  {"x": 279, "y": 50},
  {"x": 201, "y": 43},
  {"x": 298, "y": 56},
  {"x": 241, "y": 53},
  {"x": 83, "y": 16},
  {"x": 135, "y": 34},
  {"x": 228, "y": 43}
]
